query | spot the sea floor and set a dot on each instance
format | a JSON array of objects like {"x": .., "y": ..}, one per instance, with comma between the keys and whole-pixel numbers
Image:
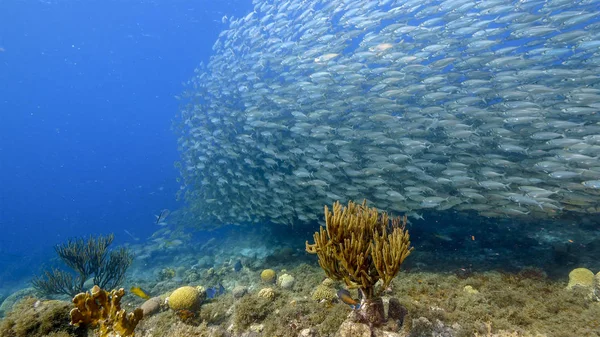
[{"x": 455, "y": 283}]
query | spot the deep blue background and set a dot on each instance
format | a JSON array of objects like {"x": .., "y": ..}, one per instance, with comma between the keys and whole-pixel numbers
[{"x": 86, "y": 108}]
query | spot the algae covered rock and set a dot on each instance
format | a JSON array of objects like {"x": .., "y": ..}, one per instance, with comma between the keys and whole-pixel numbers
[
  {"x": 268, "y": 276},
  {"x": 239, "y": 291},
  {"x": 13, "y": 298},
  {"x": 187, "y": 298},
  {"x": 580, "y": 277},
  {"x": 396, "y": 311},
  {"x": 31, "y": 317},
  {"x": 353, "y": 329}
]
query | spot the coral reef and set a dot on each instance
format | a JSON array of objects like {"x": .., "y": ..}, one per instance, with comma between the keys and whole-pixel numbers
[
  {"x": 101, "y": 309},
  {"x": 425, "y": 302},
  {"x": 87, "y": 258},
  {"x": 361, "y": 246}
]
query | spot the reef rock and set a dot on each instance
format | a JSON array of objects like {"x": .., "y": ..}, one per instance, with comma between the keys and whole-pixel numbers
[
  {"x": 396, "y": 311},
  {"x": 352, "y": 329},
  {"x": 151, "y": 306},
  {"x": 239, "y": 291},
  {"x": 13, "y": 298}
]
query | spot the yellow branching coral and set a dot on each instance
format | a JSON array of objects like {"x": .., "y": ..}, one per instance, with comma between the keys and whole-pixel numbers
[
  {"x": 101, "y": 309},
  {"x": 361, "y": 246}
]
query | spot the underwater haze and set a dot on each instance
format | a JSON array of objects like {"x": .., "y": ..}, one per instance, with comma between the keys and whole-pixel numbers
[
  {"x": 214, "y": 138},
  {"x": 87, "y": 103}
]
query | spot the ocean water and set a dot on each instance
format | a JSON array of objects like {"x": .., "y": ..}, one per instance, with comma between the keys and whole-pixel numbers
[
  {"x": 208, "y": 136},
  {"x": 87, "y": 104}
]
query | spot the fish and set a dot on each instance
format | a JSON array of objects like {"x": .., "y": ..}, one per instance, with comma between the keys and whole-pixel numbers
[
  {"x": 344, "y": 296},
  {"x": 162, "y": 216},
  {"x": 442, "y": 237},
  {"x": 413, "y": 107},
  {"x": 139, "y": 292},
  {"x": 215, "y": 291},
  {"x": 131, "y": 235},
  {"x": 237, "y": 266}
]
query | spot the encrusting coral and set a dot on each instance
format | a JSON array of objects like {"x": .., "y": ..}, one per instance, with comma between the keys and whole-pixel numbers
[
  {"x": 101, "y": 309},
  {"x": 361, "y": 246}
]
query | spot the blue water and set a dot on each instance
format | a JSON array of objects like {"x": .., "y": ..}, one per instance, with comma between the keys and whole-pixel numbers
[{"x": 86, "y": 103}]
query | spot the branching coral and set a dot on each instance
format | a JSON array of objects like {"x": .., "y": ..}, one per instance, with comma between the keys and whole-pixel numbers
[
  {"x": 101, "y": 309},
  {"x": 361, "y": 246}
]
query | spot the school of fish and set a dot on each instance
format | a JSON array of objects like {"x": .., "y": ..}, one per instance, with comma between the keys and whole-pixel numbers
[{"x": 487, "y": 106}]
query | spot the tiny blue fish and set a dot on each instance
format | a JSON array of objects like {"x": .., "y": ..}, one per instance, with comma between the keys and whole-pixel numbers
[{"x": 215, "y": 291}]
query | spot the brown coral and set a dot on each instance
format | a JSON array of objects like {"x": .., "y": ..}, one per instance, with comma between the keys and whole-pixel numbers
[
  {"x": 101, "y": 309},
  {"x": 361, "y": 246}
]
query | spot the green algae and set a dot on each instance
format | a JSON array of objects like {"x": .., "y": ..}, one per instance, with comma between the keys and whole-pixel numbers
[
  {"x": 499, "y": 304},
  {"x": 507, "y": 302},
  {"x": 31, "y": 317}
]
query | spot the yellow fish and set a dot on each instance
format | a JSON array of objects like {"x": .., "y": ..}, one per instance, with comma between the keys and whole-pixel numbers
[{"x": 139, "y": 292}]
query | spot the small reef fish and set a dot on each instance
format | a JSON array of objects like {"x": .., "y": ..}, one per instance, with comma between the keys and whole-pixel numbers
[
  {"x": 237, "y": 266},
  {"x": 162, "y": 216},
  {"x": 215, "y": 291},
  {"x": 344, "y": 296},
  {"x": 131, "y": 235},
  {"x": 139, "y": 292},
  {"x": 442, "y": 237}
]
